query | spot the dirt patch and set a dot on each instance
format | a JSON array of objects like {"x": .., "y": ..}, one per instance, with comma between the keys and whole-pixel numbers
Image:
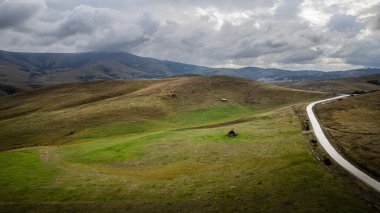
[{"x": 46, "y": 153}]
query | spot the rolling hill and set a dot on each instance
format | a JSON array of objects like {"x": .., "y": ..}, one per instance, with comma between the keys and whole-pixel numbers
[
  {"x": 160, "y": 145},
  {"x": 78, "y": 67},
  {"x": 54, "y": 114}
]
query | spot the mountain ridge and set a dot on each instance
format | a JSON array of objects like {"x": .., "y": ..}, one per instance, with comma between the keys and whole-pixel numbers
[{"x": 19, "y": 67}]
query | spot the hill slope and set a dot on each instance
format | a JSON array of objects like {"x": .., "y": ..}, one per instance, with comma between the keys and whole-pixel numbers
[
  {"x": 79, "y": 67},
  {"x": 54, "y": 114},
  {"x": 13, "y": 88},
  {"x": 353, "y": 126}
]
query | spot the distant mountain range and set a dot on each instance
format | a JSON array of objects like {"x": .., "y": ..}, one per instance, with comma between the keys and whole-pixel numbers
[{"x": 18, "y": 67}]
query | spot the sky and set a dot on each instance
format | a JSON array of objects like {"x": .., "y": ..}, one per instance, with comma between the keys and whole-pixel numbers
[{"x": 289, "y": 34}]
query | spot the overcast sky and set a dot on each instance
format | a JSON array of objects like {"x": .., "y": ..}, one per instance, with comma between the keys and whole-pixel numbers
[{"x": 291, "y": 34}]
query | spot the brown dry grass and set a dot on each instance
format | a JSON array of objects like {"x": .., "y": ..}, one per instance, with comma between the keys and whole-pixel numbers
[{"x": 353, "y": 124}]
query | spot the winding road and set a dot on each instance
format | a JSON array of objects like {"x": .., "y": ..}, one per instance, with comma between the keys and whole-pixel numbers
[{"x": 330, "y": 149}]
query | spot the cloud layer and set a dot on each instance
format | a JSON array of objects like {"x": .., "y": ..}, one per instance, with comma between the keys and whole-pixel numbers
[{"x": 295, "y": 34}]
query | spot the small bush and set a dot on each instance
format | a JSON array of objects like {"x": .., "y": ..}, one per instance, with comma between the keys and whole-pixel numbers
[
  {"x": 327, "y": 162},
  {"x": 358, "y": 92},
  {"x": 375, "y": 81},
  {"x": 305, "y": 126}
]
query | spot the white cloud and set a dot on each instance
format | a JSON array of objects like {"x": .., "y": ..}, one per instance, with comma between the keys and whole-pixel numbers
[{"x": 314, "y": 12}]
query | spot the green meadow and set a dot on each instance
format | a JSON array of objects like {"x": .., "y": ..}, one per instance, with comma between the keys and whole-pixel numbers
[{"x": 266, "y": 168}]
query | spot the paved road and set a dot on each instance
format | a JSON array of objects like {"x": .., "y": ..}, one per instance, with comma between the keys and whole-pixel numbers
[{"x": 332, "y": 152}]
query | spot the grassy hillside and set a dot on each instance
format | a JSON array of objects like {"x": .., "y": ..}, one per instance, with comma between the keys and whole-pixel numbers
[
  {"x": 10, "y": 89},
  {"x": 57, "y": 114},
  {"x": 339, "y": 86},
  {"x": 161, "y": 146},
  {"x": 353, "y": 125}
]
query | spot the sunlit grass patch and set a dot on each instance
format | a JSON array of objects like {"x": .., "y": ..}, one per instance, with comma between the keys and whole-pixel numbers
[{"x": 24, "y": 175}]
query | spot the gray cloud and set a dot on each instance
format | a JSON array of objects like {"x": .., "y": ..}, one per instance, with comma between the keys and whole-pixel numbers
[
  {"x": 249, "y": 49},
  {"x": 15, "y": 12},
  {"x": 358, "y": 52},
  {"x": 288, "y": 9},
  {"x": 145, "y": 5},
  {"x": 148, "y": 24},
  {"x": 374, "y": 21},
  {"x": 297, "y": 33},
  {"x": 84, "y": 19},
  {"x": 344, "y": 23},
  {"x": 302, "y": 56}
]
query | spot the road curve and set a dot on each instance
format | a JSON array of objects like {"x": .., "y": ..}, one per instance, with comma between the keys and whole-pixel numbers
[{"x": 330, "y": 149}]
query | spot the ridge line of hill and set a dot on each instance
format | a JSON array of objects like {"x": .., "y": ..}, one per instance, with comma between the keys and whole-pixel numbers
[{"x": 52, "y": 68}]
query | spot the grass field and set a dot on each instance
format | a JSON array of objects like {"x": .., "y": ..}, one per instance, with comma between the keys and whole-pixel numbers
[{"x": 143, "y": 160}]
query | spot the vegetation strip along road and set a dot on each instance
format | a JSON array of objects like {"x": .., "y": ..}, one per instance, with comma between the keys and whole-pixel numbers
[{"x": 331, "y": 150}]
